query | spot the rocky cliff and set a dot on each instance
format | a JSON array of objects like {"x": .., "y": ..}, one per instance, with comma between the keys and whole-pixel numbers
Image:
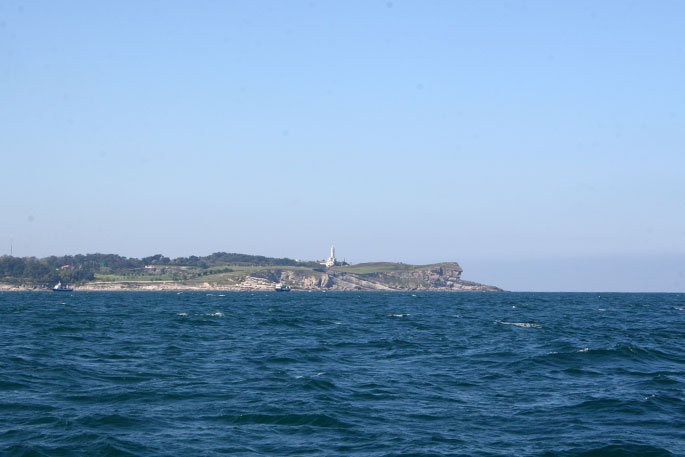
[{"x": 444, "y": 277}]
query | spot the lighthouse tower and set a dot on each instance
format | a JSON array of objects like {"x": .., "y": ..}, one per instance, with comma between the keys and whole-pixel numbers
[{"x": 331, "y": 260}]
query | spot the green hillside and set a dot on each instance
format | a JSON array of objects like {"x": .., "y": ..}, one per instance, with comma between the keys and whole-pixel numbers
[{"x": 218, "y": 270}]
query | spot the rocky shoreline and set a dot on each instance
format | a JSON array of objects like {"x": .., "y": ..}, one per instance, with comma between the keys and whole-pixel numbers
[{"x": 434, "y": 278}]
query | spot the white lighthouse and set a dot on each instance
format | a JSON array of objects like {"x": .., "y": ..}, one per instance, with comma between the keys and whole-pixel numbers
[{"x": 331, "y": 260}]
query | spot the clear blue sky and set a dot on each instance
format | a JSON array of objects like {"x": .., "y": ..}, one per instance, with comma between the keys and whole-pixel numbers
[{"x": 540, "y": 144}]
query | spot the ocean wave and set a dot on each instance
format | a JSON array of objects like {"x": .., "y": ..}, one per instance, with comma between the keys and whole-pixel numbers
[
  {"x": 13, "y": 385},
  {"x": 83, "y": 444},
  {"x": 285, "y": 419},
  {"x": 630, "y": 350},
  {"x": 216, "y": 314},
  {"x": 317, "y": 384},
  {"x": 520, "y": 324},
  {"x": 25, "y": 406},
  {"x": 613, "y": 450},
  {"x": 110, "y": 421},
  {"x": 591, "y": 361}
]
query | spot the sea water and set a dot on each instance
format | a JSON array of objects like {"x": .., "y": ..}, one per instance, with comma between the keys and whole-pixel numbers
[{"x": 341, "y": 374}]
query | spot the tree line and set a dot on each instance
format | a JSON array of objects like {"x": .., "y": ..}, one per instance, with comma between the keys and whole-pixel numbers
[
  {"x": 39, "y": 272},
  {"x": 82, "y": 267}
]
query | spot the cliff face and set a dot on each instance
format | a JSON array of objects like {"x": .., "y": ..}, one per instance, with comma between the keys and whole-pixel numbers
[{"x": 439, "y": 278}]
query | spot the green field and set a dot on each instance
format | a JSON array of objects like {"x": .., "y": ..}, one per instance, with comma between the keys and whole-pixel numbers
[
  {"x": 376, "y": 267},
  {"x": 225, "y": 274},
  {"x": 388, "y": 267}
]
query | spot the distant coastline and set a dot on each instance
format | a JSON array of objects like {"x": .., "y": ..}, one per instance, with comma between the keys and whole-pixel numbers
[{"x": 228, "y": 272}]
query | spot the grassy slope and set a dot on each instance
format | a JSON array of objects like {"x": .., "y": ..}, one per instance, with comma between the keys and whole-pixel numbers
[
  {"x": 218, "y": 275},
  {"x": 387, "y": 267},
  {"x": 197, "y": 275}
]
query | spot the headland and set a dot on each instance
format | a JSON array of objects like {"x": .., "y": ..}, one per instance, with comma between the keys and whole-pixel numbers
[{"x": 228, "y": 272}]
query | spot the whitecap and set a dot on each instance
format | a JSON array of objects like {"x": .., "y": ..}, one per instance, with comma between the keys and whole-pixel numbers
[
  {"x": 181, "y": 314},
  {"x": 338, "y": 323},
  {"x": 217, "y": 314},
  {"x": 520, "y": 324},
  {"x": 400, "y": 315},
  {"x": 583, "y": 350},
  {"x": 222, "y": 295}
]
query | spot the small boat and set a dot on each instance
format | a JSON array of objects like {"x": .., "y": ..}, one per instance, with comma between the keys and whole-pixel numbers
[
  {"x": 59, "y": 287},
  {"x": 281, "y": 288}
]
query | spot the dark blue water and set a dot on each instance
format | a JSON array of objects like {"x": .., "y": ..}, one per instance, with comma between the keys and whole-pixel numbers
[{"x": 342, "y": 374}]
